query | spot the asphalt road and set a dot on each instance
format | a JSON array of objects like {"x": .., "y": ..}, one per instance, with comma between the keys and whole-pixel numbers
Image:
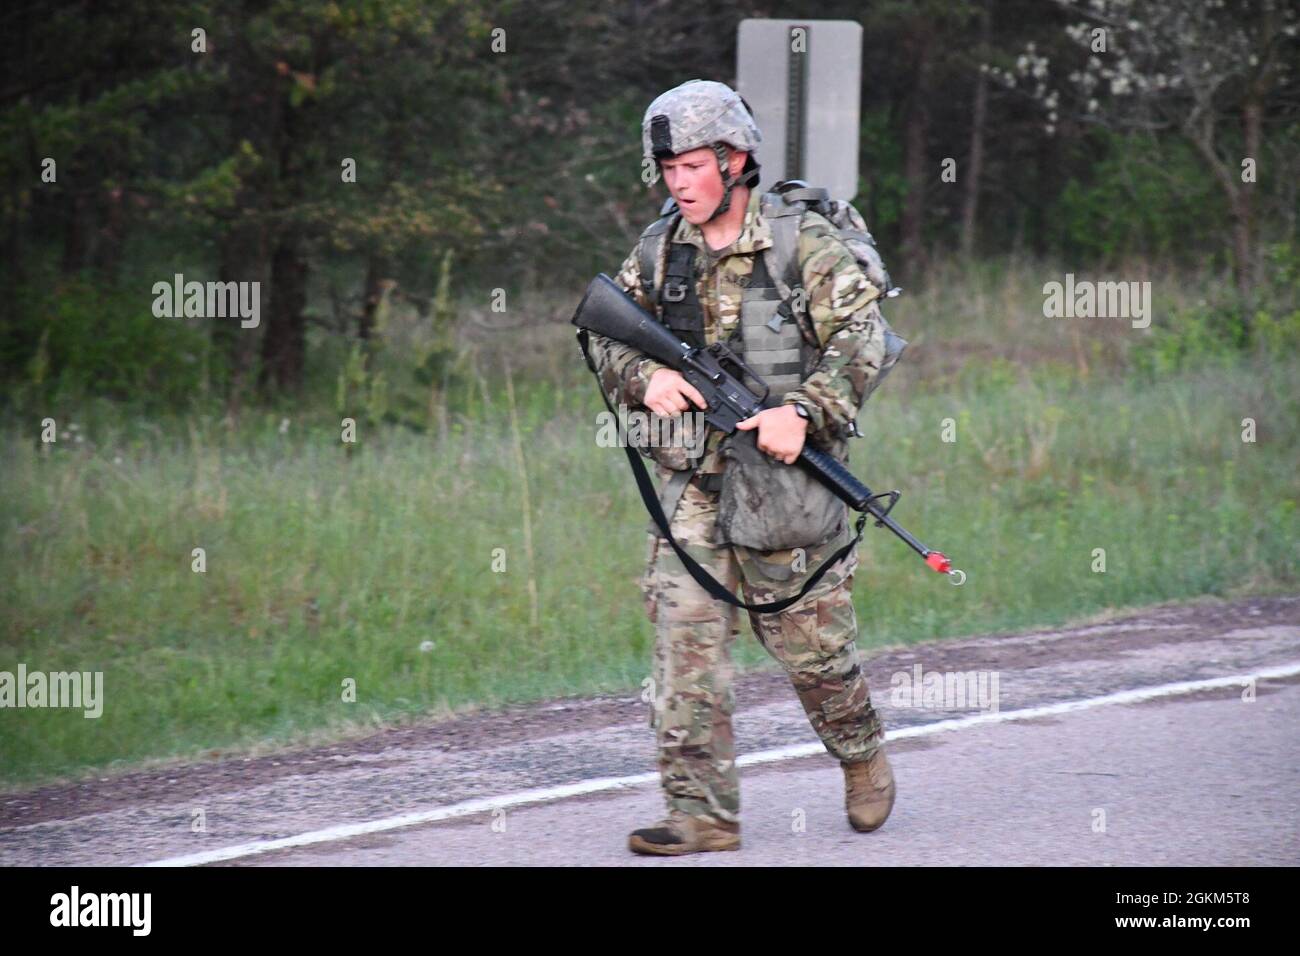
[{"x": 1164, "y": 776}]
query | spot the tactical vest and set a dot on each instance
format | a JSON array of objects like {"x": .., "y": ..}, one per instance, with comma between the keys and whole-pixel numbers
[
  {"x": 763, "y": 504},
  {"x": 778, "y": 344}
]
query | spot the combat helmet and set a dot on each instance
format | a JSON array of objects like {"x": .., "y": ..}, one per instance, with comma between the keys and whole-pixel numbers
[{"x": 703, "y": 113}]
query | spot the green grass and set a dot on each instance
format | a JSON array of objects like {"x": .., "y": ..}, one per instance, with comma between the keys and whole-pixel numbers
[{"x": 323, "y": 566}]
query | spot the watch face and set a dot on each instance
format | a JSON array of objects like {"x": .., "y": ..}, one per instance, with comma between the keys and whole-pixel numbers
[{"x": 801, "y": 412}]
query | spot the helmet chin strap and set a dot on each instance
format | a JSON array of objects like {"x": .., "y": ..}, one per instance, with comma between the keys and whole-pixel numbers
[{"x": 746, "y": 177}]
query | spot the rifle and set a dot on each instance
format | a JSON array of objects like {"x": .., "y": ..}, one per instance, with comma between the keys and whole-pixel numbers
[{"x": 607, "y": 310}]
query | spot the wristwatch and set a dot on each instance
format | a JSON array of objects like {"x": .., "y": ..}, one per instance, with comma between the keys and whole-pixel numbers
[{"x": 801, "y": 410}]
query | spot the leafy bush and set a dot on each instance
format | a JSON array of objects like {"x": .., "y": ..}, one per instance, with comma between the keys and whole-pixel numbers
[
  {"x": 1127, "y": 206},
  {"x": 1224, "y": 326},
  {"x": 77, "y": 338}
]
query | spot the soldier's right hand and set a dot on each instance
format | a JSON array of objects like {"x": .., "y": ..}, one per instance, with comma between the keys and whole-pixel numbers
[{"x": 668, "y": 393}]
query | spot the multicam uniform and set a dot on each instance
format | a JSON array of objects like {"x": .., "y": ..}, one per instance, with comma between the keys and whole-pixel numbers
[{"x": 813, "y": 639}]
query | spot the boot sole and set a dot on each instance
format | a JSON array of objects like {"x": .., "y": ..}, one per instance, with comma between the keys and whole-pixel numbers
[
  {"x": 637, "y": 845},
  {"x": 870, "y": 829}
]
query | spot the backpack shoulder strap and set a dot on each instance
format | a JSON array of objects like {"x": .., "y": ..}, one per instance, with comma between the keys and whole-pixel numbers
[
  {"x": 784, "y": 217},
  {"x": 651, "y": 247}
]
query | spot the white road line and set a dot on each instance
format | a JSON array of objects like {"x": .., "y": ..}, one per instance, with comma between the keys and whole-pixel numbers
[{"x": 546, "y": 794}]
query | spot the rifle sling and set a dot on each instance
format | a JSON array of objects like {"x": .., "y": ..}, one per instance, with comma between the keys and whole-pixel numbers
[{"x": 645, "y": 485}]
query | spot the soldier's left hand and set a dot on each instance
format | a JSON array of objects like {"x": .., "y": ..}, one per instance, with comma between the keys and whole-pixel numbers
[{"x": 781, "y": 432}]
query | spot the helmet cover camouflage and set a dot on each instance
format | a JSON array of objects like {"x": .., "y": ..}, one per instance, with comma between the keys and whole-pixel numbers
[
  {"x": 703, "y": 113},
  {"x": 697, "y": 113}
]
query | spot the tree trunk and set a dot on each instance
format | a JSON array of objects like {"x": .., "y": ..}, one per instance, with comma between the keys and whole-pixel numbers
[
  {"x": 76, "y": 232},
  {"x": 112, "y": 234},
  {"x": 1248, "y": 259},
  {"x": 975, "y": 162},
  {"x": 1241, "y": 242},
  {"x": 375, "y": 269},
  {"x": 244, "y": 245},
  {"x": 915, "y": 167},
  {"x": 76, "y": 174},
  {"x": 1199, "y": 130},
  {"x": 243, "y": 259},
  {"x": 284, "y": 344}
]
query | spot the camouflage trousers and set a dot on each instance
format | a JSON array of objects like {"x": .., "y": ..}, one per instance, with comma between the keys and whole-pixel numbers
[{"x": 694, "y": 634}]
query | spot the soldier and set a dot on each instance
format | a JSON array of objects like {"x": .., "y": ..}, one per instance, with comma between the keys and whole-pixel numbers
[{"x": 702, "y": 137}]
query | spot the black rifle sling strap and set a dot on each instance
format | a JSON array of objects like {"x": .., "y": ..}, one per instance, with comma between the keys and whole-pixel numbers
[{"x": 701, "y": 575}]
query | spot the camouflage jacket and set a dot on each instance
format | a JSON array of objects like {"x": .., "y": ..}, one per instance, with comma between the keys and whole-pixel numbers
[{"x": 841, "y": 303}]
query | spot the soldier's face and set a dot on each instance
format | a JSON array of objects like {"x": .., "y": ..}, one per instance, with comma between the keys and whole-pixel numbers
[{"x": 693, "y": 180}]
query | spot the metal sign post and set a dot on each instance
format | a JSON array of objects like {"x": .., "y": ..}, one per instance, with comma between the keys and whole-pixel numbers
[{"x": 803, "y": 78}]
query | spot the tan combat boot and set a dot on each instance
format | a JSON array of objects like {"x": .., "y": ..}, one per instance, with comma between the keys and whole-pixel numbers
[
  {"x": 682, "y": 833},
  {"x": 868, "y": 791}
]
